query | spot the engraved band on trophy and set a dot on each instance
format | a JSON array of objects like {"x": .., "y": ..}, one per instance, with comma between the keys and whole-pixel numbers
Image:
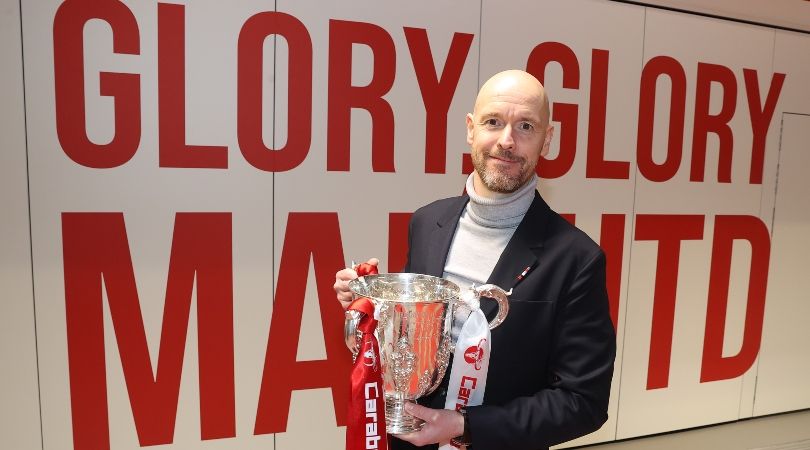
[{"x": 415, "y": 319}]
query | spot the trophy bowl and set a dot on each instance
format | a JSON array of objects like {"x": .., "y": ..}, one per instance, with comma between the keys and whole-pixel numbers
[{"x": 415, "y": 316}]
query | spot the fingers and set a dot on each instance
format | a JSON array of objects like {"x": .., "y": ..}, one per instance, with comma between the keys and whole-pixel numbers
[
  {"x": 441, "y": 425},
  {"x": 342, "y": 278},
  {"x": 367, "y": 268},
  {"x": 421, "y": 412}
]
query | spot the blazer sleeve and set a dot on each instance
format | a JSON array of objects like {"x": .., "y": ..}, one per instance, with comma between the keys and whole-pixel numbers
[{"x": 575, "y": 401}]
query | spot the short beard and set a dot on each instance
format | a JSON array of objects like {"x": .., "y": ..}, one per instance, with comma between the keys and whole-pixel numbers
[{"x": 497, "y": 181}]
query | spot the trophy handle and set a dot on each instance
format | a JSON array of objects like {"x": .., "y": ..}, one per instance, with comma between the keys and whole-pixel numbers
[
  {"x": 500, "y": 296},
  {"x": 350, "y": 331}
]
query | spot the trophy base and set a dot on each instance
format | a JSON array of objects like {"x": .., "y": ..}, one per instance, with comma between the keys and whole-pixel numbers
[{"x": 397, "y": 421}]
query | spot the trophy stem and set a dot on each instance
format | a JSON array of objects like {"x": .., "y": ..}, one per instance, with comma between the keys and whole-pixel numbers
[{"x": 397, "y": 421}]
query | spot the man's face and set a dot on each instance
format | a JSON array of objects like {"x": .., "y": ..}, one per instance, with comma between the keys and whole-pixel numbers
[{"x": 507, "y": 134}]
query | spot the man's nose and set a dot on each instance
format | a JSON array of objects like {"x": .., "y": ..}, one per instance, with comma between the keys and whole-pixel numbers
[{"x": 505, "y": 140}]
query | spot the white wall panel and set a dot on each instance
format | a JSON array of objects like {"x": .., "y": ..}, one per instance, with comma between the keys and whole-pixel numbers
[
  {"x": 781, "y": 13},
  {"x": 19, "y": 395},
  {"x": 735, "y": 47},
  {"x": 791, "y": 56},
  {"x": 784, "y": 360},
  {"x": 149, "y": 196}
]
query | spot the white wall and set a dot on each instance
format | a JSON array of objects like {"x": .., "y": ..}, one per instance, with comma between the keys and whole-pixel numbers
[
  {"x": 275, "y": 295},
  {"x": 19, "y": 395},
  {"x": 782, "y": 13}
]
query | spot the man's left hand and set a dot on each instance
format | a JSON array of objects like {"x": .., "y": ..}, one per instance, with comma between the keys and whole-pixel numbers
[{"x": 441, "y": 425}]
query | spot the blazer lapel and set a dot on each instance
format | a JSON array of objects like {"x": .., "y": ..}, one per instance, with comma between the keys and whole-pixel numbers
[
  {"x": 442, "y": 236},
  {"x": 521, "y": 252}
]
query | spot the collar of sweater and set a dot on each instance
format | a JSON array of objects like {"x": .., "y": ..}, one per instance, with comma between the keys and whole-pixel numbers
[{"x": 502, "y": 210}]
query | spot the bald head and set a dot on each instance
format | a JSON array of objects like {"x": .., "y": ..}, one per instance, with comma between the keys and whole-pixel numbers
[
  {"x": 508, "y": 131},
  {"x": 515, "y": 85}
]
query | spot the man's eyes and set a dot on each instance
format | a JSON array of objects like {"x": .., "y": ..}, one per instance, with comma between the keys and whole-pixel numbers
[{"x": 495, "y": 123}]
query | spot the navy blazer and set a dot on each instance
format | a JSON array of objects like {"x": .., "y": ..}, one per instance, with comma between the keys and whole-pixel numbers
[{"x": 552, "y": 358}]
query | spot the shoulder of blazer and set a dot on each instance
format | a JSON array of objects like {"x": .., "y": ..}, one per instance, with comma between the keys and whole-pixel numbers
[
  {"x": 561, "y": 233},
  {"x": 543, "y": 228}
]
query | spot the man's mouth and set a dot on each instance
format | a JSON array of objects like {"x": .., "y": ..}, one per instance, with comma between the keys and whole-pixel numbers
[{"x": 505, "y": 159}]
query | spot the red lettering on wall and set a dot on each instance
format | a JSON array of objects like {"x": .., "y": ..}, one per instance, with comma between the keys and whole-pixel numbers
[
  {"x": 715, "y": 366},
  {"x": 398, "y": 240},
  {"x": 250, "y": 88},
  {"x": 706, "y": 123},
  {"x": 437, "y": 92},
  {"x": 655, "y": 67},
  {"x": 174, "y": 152},
  {"x": 466, "y": 164},
  {"x": 313, "y": 236},
  {"x": 68, "y": 62},
  {"x": 564, "y": 113},
  {"x": 761, "y": 116},
  {"x": 343, "y": 96},
  {"x": 570, "y": 218},
  {"x": 95, "y": 248},
  {"x": 597, "y": 166},
  {"x": 669, "y": 231}
]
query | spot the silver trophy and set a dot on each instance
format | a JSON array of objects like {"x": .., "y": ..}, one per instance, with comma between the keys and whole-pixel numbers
[{"x": 417, "y": 316}]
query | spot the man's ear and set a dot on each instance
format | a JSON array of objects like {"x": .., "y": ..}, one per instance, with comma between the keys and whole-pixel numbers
[
  {"x": 547, "y": 140},
  {"x": 470, "y": 128}
]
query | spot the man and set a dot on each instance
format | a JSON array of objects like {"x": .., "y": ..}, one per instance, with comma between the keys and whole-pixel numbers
[{"x": 552, "y": 359}]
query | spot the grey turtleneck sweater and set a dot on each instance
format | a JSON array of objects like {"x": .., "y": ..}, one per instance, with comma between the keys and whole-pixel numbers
[{"x": 485, "y": 227}]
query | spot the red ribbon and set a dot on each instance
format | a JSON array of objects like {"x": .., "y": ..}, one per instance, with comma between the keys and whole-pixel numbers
[
  {"x": 366, "y": 269},
  {"x": 366, "y": 424}
]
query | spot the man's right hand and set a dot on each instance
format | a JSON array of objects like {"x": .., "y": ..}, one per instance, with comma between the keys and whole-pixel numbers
[{"x": 342, "y": 278}]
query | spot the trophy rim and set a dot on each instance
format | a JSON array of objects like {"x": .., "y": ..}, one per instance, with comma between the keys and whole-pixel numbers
[{"x": 453, "y": 290}]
